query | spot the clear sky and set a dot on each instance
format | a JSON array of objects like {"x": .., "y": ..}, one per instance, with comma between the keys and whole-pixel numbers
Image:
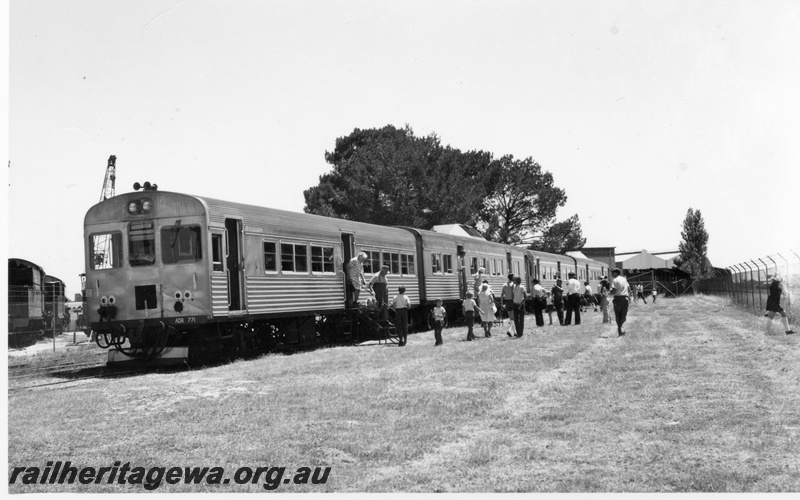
[{"x": 640, "y": 109}]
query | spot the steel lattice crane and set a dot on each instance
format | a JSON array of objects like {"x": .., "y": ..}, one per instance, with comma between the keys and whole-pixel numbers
[{"x": 103, "y": 255}]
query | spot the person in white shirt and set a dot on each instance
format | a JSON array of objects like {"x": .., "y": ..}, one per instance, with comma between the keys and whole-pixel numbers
[
  {"x": 401, "y": 305},
  {"x": 573, "y": 299},
  {"x": 520, "y": 295},
  {"x": 539, "y": 302},
  {"x": 588, "y": 294},
  {"x": 622, "y": 294}
]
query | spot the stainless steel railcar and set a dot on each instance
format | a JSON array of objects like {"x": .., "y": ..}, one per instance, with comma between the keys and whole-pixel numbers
[
  {"x": 188, "y": 276},
  {"x": 450, "y": 262},
  {"x": 176, "y": 276}
]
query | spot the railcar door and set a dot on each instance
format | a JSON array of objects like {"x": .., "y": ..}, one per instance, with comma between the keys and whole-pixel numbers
[
  {"x": 233, "y": 230},
  {"x": 348, "y": 251}
]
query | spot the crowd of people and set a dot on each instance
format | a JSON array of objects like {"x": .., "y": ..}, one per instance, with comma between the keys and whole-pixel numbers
[{"x": 565, "y": 300}]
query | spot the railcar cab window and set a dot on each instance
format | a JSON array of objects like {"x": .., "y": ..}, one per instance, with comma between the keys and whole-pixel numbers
[
  {"x": 141, "y": 243},
  {"x": 322, "y": 259},
  {"x": 106, "y": 250},
  {"x": 294, "y": 258},
  {"x": 270, "y": 257},
  {"x": 180, "y": 244}
]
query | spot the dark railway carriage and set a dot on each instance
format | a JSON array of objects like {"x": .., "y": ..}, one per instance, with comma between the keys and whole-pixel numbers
[
  {"x": 172, "y": 275},
  {"x": 54, "y": 303},
  {"x": 26, "y": 319}
]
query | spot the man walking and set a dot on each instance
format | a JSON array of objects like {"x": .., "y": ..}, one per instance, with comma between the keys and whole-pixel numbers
[
  {"x": 573, "y": 299},
  {"x": 621, "y": 293},
  {"x": 558, "y": 300}
]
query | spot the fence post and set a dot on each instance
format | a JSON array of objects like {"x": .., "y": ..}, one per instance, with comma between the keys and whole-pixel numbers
[
  {"x": 758, "y": 285},
  {"x": 751, "y": 291},
  {"x": 739, "y": 289}
]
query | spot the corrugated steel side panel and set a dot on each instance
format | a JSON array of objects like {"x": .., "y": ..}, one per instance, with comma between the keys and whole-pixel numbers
[{"x": 219, "y": 295}]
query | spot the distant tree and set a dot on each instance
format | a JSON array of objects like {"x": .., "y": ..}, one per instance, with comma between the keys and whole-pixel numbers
[
  {"x": 524, "y": 201},
  {"x": 561, "y": 237},
  {"x": 389, "y": 176},
  {"x": 694, "y": 247}
]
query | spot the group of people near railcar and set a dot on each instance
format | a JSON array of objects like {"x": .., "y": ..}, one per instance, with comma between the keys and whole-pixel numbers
[{"x": 566, "y": 301}]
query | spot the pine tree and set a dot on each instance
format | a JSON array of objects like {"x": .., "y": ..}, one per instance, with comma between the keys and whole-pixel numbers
[{"x": 694, "y": 246}]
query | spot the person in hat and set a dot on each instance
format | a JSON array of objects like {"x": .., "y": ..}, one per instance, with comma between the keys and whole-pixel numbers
[
  {"x": 380, "y": 287},
  {"x": 605, "y": 290},
  {"x": 558, "y": 300},
  {"x": 774, "y": 305},
  {"x": 621, "y": 292}
]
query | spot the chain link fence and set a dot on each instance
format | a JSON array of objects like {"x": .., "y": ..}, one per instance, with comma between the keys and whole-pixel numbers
[{"x": 747, "y": 283}]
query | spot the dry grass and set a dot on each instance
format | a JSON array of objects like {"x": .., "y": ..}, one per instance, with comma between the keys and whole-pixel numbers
[{"x": 695, "y": 398}]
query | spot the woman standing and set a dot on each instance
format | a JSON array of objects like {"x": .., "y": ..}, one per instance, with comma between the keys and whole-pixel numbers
[
  {"x": 485, "y": 307},
  {"x": 605, "y": 289}
]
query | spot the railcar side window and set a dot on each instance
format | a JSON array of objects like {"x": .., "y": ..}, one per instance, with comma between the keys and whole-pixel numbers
[
  {"x": 407, "y": 265},
  {"x": 321, "y": 259},
  {"x": 294, "y": 258},
  {"x": 216, "y": 252},
  {"x": 141, "y": 243},
  {"x": 447, "y": 264},
  {"x": 106, "y": 250},
  {"x": 473, "y": 265},
  {"x": 436, "y": 263},
  {"x": 270, "y": 257},
  {"x": 373, "y": 263},
  {"x": 180, "y": 244},
  {"x": 393, "y": 261}
]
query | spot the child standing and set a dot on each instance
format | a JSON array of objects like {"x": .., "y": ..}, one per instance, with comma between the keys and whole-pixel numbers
[
  {"x": 469, "y": 313},
  {"x": 438, "y": 317},
  {"x": 401, "y": 305}
]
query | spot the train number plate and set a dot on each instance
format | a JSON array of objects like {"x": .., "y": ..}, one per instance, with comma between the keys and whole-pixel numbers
[{"x": 187, "y": 320}]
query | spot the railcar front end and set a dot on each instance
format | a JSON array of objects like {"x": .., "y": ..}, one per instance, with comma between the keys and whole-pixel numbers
[{"x": 147, "y": 274}]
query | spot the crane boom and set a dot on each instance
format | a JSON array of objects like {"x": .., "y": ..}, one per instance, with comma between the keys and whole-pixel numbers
[
  {"x": 108, "y": 182},
  {"x": 103, "y": 251}
]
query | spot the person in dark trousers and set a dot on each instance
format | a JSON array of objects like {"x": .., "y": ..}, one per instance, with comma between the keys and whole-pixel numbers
[
  {"x": 573, "y": 300},
  {"x": 558, "y": 300},
  {"x": 539, "y": 302},
  {"x": 469, "y": 306},
  {"x": 380, "y": 287},
  {"x": 439, "y": 314},
  {"x": 622, "y": 294},
  {"x": 508, "y": 302},
  {"x": 520, "y": 295},
  {"x": 774, "y": 306},
  {"x": 401, "y": 305},
  {"x": 640, "y": 293}
]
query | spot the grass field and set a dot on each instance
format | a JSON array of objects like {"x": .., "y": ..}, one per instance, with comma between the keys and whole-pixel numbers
[{"x": 694, "y": 398}]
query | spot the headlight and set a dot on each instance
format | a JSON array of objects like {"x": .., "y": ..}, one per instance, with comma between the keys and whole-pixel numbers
[
  {"x": 112, "y": 300},
  {"x": 147, "y": 206},
  {"x": 103, "y": 300},
  {"x": 134, "y": 207}
]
